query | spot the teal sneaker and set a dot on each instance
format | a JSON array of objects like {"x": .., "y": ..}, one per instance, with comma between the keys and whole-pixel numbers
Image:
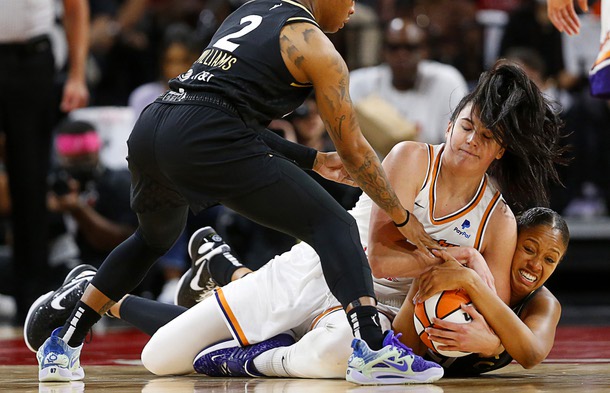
[
  {"x": 59, "y": 362},
  {"x": 393, "y": 364}
]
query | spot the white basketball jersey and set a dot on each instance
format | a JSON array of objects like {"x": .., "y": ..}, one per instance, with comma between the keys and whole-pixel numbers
[{"x": 464, "y": 227}]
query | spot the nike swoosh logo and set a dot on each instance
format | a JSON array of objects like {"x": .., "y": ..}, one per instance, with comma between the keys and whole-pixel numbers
[
  {"x": 56, "y": 302},
  {"x": 204, "y": 249},
  {"x": 275, "y": 6},
  {"x": 418, "y": 205},
  {"x": 73, "y": 361},
  {"x": 208, "y": 255},
  {"x": 248, "y": 371},
  {"x": 195, "y": 281},
  {"x": 402, "y": 366},
  {"x": 375, "y": 321}
]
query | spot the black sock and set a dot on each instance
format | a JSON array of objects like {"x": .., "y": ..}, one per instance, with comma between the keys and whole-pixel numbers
[
  {"x": 222, "y": 266},
  {"x": 365, "y": 325},
  {"x": 148, "y": 315},
  {"x": 77, "y": 326}
]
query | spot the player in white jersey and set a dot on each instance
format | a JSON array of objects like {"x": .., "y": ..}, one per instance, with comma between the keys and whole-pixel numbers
[{"x": 463, "y": 227}]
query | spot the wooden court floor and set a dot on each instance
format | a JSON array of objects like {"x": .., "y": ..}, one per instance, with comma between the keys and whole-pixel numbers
[
  {"x": 570, "y": 377},
  {"x": 579, "y": 362}
]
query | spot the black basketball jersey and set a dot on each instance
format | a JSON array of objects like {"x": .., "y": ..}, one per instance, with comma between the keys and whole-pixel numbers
[
  {"x": 243, "y": 62},
  {"x": 472, "y": 365}
]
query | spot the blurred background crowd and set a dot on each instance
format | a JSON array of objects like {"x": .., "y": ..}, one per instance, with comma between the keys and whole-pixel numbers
[{"x": 411, "y": 62}]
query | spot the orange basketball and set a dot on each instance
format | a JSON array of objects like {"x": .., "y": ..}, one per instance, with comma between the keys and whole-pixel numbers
[{"x": 446, "y": 306}]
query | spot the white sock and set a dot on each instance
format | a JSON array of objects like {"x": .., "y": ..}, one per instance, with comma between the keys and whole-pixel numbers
[{"x": 270, "y": 363}]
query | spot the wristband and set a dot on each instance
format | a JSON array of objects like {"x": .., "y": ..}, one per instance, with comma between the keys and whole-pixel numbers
[{"x": 405, "y": 222}]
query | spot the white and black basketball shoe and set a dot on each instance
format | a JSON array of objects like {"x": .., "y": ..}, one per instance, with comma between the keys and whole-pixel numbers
[
  {"x": 52, "y": 309},
  {"x": 197, "y": 283}
]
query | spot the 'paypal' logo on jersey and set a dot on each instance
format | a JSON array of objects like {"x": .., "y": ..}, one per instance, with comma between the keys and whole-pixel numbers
[
  {"x": 461, "y": 233},
  {"x": 465, "y": 224}
]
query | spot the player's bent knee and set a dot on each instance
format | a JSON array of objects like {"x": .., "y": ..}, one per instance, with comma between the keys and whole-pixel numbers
[
  {"x": 327, "y": 351},
  {"x": 152, "y": 361},
  {"x": 157, "y": 361}
]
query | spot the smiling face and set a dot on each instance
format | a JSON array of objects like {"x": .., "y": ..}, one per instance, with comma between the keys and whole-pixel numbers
[
  {"x": 539, "y": 250},
  {"x": 471, "y": 146}
]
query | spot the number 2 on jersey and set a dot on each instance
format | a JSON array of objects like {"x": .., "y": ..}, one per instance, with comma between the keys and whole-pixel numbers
[{"x": 225, "y": 42}]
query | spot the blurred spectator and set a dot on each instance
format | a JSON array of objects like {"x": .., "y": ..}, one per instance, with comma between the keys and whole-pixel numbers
[
  {"x": 587, "y": 192},
  {"x": 309, "y": 127},
  {"x": 529, "y": 26},
  {"x": 360, "y": 39},
  {"x": 121, "y": 48},
  {"x": 580, "y": 51},
  {"x": 456, "y": 36},
  {"x": 92, "y": 200},
  {"x": 27, "y": 115},
  {"x": 178, "y": 51},
  {"x": 422, "y": 92}
]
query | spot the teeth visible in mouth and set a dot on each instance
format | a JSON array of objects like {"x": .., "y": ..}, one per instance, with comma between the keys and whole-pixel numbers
[{"x": 527, "y": 276}]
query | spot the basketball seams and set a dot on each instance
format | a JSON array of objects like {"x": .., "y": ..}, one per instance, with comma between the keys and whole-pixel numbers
[{"x": 450, "y": 311}]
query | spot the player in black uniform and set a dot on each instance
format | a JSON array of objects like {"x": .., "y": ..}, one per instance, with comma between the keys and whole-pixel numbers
[
  {"x": 524, "y": 330},
  {"x": 204, "y": 142}
]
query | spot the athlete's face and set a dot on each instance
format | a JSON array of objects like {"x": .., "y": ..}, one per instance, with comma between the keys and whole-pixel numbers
[
  {"x": 539, "y": 250},
  {"x": 332, "y": 15},
  {"x": 471, "y": 146}
]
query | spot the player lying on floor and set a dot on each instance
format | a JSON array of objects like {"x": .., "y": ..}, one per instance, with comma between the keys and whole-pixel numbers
[
  {"x": 524, "y": 330},
  {"x": 504, "y": 127}
]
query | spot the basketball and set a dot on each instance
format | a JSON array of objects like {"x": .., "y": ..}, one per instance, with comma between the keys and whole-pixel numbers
[{"x": 446, "y": 306}]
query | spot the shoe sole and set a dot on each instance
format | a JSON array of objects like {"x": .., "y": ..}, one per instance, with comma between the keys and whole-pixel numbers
[
  {"x": 30, "y": 314},
  {"x": 60, "y": 374},
  {"x": 429, "y": 376},
  {"x": 193, "y": 236},
  {"x": 76, "y": 271},
  {"x": 54, "y": 374}
]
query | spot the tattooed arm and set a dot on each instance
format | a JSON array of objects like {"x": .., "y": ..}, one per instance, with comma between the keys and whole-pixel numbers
[{"x": 311, "y": 57}]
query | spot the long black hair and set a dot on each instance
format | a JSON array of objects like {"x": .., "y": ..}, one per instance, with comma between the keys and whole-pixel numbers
[{"x": 526, "y": 125}]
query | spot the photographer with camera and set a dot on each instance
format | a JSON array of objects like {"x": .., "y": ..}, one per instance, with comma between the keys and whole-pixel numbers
[{"x": 89, "y": 202}]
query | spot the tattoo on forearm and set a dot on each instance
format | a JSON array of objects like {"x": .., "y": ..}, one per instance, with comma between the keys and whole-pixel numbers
[{"x": 373, "y": 181}]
